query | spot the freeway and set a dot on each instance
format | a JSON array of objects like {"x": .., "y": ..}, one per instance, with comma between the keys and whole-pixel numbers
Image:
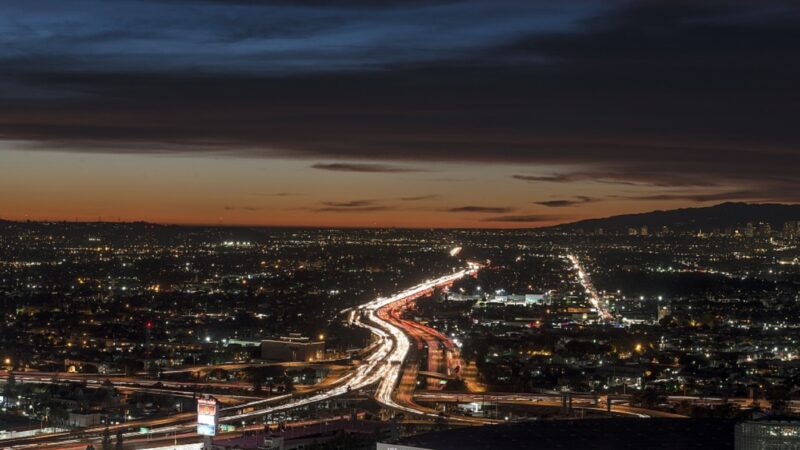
[
  {"x": 381, "y": 366},
  {"x": 170, "y": 437},
  {"x": 440, "y": 349},
  {"x": 404, "y": 392},
  {"x": 586, "y": 400},
  {"x": 443, "y": 356},
  {"x": 583, "y": 401},
  {"x": 384, "y": 315},
  {"x": 390, "y": 373},
  {"x": 319, "y": 364},
  {"x": 149, "y": 386}
]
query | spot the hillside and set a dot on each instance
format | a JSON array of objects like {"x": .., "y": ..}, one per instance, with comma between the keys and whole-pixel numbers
[{"x": 706, "y": 218}]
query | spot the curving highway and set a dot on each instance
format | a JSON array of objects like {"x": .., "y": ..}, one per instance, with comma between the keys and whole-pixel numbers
[{"x": 381, "y": 365}]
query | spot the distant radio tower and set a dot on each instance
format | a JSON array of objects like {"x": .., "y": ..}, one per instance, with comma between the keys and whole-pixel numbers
[{"x": 148, "y": 326}]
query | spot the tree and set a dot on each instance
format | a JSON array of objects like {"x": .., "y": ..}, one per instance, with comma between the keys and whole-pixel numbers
[
  {"x": 288, "y": 385},
  {"x": 59, "y": 415},
  {"x": 154, "y": 370},
  {"x": 106, "y": 445},
  {"x": 778, "y": 395},
  {"x": 9, "y": 392},
  {"x": 647, "y": 398},
  {"x": 119, "y": 445}
]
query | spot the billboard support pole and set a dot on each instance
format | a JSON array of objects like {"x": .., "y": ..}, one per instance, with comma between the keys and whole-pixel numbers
[{"x": 207, "y": 419}]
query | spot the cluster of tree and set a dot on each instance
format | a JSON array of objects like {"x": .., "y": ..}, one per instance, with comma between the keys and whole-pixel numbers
[
  {"x": 107, "y": 444},
  {"x": 647, "y": 398},
  {"x": 270, "y": 379}
]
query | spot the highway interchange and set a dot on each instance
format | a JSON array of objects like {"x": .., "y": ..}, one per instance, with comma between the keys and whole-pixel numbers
[{"x": 381, "y": 366}]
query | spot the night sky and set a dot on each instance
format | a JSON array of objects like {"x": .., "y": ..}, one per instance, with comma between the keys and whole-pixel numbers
[{"x": 394, "y": 113}]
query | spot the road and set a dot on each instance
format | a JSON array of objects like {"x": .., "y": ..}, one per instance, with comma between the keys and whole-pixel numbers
[
  {"x": 385, "y": 314},
  {"x": 382, "y": 365},
  {"x": 586, "y": 282},
  {"x": 545, "y": 400},
  {"x": 404, "y": 392},
  {"x": 444, "y": 361},
  {"x": 173, "y": 437},
  {"x": 390, "y": 372},
  {"x": 321, "y": 364}
]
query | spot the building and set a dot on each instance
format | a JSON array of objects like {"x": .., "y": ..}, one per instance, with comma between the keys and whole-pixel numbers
[
  {"x": 382, "y": 446},
  {"x": 588, "y": 434},
  {"x": 664, "y": 311},
  {"x": 336, "y": 434},
  {"x": 520, "y": 299},
  {"x": 82, "y": 419},
  {"x": 764, "y": 230},
  {"x": 292, "y": 348},
  {"x": 749, "y": 231},
  {"x": 790, "y": 229},
  {"x": 768, "y": 434}
]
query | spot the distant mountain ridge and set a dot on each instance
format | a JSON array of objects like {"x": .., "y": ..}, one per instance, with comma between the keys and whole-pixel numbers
[{"x": 703, "y": 218}]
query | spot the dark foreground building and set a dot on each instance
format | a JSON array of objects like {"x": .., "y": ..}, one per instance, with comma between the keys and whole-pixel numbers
[
  {"x": 599, "y": 434},
  {"x": 333, "y": 435},
  {"x": 777, "y": 433}
]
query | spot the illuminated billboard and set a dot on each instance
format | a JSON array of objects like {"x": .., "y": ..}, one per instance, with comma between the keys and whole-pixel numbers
[{"x": 206, "y": 417}]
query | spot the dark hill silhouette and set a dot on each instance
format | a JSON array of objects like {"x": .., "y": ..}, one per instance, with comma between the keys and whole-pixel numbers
[{"x": 705, "y": 218}]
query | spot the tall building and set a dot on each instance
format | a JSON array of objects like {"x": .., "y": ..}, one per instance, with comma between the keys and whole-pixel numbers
[
  {"x": 790, "y": 229},
  {"x": 749, "y": 230},
  {"x": 764, "y": 230}
]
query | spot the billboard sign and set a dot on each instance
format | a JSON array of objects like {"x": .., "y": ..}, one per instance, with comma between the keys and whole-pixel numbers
[{"x": 206, "y": 417}]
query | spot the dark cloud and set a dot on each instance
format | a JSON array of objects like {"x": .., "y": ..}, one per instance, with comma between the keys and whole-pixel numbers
[
  {"x": 555, "y": 178},
  {"x": 748, "y": 195},
  {"x": 241, "y": 208},
  {"x": 318, "y": 3},
  {"x": 578, "y": 200},
  {"x": 374, "y": 208},
  {"x": 482, "y": 209},
  {"x": 364, "y": 168},
  {"x": 528, "y": 218},
  {"x": 279, "y": 194},
  {"x": 419, "y": 198},
  {"x": 352, "y": 206},
  {"x": 637, "y": 93},
  {"x": 636, "y": 176}
]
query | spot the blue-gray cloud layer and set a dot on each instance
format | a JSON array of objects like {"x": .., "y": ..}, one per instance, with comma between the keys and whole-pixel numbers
[{"x": 672, "y": 95}]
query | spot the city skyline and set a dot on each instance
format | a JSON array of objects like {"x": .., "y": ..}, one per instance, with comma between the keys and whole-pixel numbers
[{"x": 428, "y": 114}]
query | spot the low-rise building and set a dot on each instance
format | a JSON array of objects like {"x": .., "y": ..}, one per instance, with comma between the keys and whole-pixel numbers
[
  {"x": 292, "y": 348},
  {"x": 768, "y": 434}
]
